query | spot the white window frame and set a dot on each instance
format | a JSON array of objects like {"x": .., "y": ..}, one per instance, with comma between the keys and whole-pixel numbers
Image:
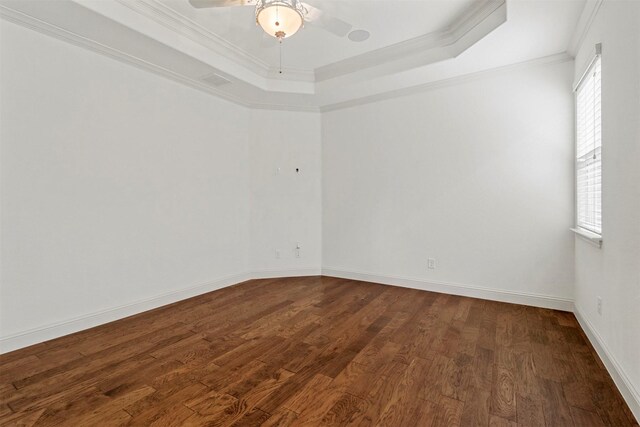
[{"x": 585, "y": 233}]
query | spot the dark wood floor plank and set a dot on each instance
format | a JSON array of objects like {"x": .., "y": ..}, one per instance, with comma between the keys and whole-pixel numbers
[
  {"x": 112, "y": 410},
  {"x": 585, "y": 418},
  {"x": 495, "y": 421},
  {"x": 449, "y": 412},
  {"x": 503, "y": 394},
  {"x": 525, "y": 375},
  {"x": 306, "y": 397},
  {"x": 380, "y": 393},
  {"x": 346, "y": 409},
  {"x": 317, "y": 351},
  {"x": 556, "y": 409},
  {"x": 403, "y": 408},
  {"x": 281, "y": 418},
  {"x": 476, "y": 410},
  {"x": 482, "y": 369},
  {"x": 159, "y": 407},
  {"x": 529, "y": 411},
  {"x": 26, "y": 418}
]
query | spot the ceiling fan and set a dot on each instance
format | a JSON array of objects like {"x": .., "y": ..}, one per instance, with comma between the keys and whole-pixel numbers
[{"x": 283, "y": 18}]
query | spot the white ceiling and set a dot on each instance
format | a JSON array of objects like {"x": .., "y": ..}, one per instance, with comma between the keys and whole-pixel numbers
[
  {"x": 388, "y": 21},
  {"x": 413, "y": 44}
]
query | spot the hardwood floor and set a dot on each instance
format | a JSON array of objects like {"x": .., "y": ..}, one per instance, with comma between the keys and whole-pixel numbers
[{"x": 317, "y": 351}]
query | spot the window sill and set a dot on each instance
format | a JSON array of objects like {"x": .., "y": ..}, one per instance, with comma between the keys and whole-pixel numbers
[{"x": 589, "y": 236}]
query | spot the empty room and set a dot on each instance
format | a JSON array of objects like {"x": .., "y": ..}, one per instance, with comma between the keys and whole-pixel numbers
[{"x": 403, "y": 213}]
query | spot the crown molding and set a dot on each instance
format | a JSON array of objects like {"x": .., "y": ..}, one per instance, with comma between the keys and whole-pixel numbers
[
  {"x": 169, "y": 18},
  {"x": 452, "y": 34},
  {"x": 444, "y": 39},
  {"x": 54, "y": 31},
  {"x": 588, "y": 15},
  {"x": 411, "y": 90},
  {"x": 172, "y": 20}
]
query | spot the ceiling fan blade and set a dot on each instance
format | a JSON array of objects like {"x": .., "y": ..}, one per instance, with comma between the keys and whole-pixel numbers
[
  {"x": 201, "y": 4},
  {"x": 323, "y": 20}
]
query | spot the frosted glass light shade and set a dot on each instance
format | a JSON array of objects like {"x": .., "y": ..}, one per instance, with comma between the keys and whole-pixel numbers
[{"x": 279, "y": 19}]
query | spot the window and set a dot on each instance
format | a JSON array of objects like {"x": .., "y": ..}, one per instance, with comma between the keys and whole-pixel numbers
[{"x": 589, "y": 151}]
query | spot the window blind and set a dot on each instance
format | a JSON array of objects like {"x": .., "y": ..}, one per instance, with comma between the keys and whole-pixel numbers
[{"x": 589, "y": 151}]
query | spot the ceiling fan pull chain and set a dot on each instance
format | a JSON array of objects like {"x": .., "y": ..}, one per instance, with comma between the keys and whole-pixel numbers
[{"x": 280, "y": 43}]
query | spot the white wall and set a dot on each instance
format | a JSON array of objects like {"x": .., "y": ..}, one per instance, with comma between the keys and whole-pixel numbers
[
  {"x": 478, "y": 175},
  {"x": 285, "y": 204},
  {"x": 117, "y": 185},
  {"x": 122, "y": 190},
  {"x": 613, "y": 272}
]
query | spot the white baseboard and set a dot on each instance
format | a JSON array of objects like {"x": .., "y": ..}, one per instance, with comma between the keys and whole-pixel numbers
[
  {"x": 55, "y": 330},
  {"x": 298, "y": 272},
  {"x": 37, "y": 335},
  {"x": 628, "y": 391},
  {"x": 59, "y": 329},
  {"x": 525, "y": 298}
]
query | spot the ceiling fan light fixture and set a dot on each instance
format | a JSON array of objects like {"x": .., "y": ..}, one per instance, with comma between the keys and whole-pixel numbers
[{"x": 280, "y": 18}]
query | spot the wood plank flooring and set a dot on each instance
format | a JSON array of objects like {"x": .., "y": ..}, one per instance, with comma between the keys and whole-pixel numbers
[{"x": 317, "y": 351}]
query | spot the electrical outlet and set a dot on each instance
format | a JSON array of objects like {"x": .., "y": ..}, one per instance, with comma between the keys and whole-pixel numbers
[
  {"x": 277, "y": 253},
  {"x": 599, "y": 305},
  {"x": 431, "y": 264},
  {"x": 298, "y": 247}
]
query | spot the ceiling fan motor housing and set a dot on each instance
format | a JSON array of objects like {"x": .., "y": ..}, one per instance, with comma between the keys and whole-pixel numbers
[{"x": 280, "y": 18}]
